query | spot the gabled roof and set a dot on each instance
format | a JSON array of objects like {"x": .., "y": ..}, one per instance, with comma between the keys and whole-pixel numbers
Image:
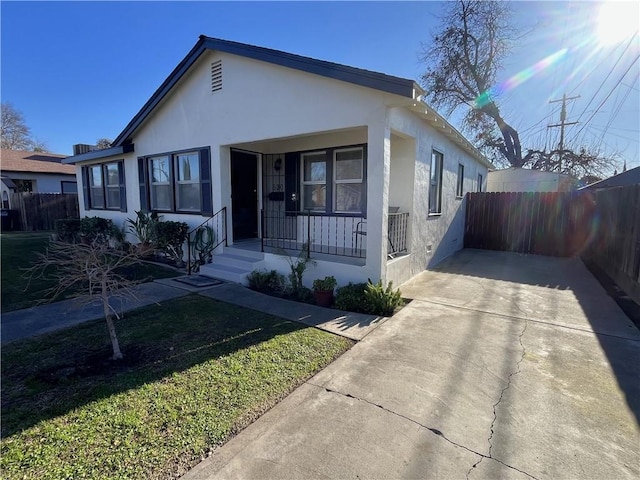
[
  {"x": 366, "y": 78},
  {"x": 403, "y": 87},
  {"x": 33, "y": 162}
]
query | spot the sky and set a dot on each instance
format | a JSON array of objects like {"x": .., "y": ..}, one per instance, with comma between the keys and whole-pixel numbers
[{"x": 79, "y": 71}]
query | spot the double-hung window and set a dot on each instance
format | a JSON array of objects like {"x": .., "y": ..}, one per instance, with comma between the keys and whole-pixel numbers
[
  {"x": 104, "y": 186},
  {"x": 333, "y": 180},
  {"x": 460, "y": 184},
  {"x": 349, "y": 180},
  {"x": 435, "y": 183},
  {"x": 176, "y": 182},
  {"x": 314, "y": 181}
]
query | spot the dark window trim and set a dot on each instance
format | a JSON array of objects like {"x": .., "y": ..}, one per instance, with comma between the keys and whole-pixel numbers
[
  {"x": 439, "y": 182},
  {"x": 121, "y": 186},
  {"x": 146, "y": 185},
  {"x": 63, "y": 182},
  {"x": 460, "y": 181},
  {"x": 480, "y": 180},
  {"x": 329, "y": 180}
]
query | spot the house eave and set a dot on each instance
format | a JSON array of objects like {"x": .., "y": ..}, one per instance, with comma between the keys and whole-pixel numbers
[
  {"x": 98, "y": 154},
  {"x": 441, "y": 125}
]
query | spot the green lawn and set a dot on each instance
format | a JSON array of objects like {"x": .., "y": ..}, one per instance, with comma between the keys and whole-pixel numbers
[
  {"x": 18, "y": 251},
  {"x": 195, "y": 372}
]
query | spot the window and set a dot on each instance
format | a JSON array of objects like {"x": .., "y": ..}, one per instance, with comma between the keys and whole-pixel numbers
[
  {"x": 460, "y": 185},
  {"x": 24, "y": 185},
  {"x": 314, "y": 181},
  {"x": 479, "y": 182},
  {"x": 103, "y": 185},
  {"x": 435, "y": 183},
  {"x": 5, "y": 200},
  {"x": 333, "y": 180},
  {"x": 68, "y": 187},
  {"x": 176, "y": 182},
  {"x": 348, "y": 177}
]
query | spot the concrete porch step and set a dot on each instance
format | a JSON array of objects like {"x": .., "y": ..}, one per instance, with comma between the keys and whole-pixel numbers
[{"x": 233, "y": 265}]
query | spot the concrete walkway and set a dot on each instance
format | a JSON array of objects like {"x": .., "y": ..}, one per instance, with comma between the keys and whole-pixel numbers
[
  {"x": 503, "y": 366},
  {"x": 67, "y": 313},
  {"x": 55, "y": 316}
]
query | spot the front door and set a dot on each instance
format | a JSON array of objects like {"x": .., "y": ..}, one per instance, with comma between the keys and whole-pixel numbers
[{"x": 244, "y": 195}]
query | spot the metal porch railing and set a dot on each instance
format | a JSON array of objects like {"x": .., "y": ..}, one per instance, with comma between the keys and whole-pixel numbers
[{"x": 205, "y": 238}]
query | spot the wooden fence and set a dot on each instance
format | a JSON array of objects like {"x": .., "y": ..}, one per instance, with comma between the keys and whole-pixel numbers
[
  {"x": 554, "y": 223},
  {"x": 39, "y": 211},
  {"x": 615, "y": 246}
]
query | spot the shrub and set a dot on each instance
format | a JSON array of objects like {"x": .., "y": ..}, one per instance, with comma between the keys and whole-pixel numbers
[
  {"x": 268, "y": 282},
  {"x": 351, "y": 297},
  {"x": 381, "y": 301},
  {"x": 325, "y": 284},
  {"x": 68, "y": 229},
  {"x": 170, "y": 237},
  {"x": 97, "y": 229},
  {"x": 144, "y": 226}
]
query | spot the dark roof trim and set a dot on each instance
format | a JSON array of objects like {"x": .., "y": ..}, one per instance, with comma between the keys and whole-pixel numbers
[
  {"x": 630, "y": 177},
  {"x": 98, "y": 154},
  {"x": 8, "y": 182},
  {"x": 366, "y": 78}
]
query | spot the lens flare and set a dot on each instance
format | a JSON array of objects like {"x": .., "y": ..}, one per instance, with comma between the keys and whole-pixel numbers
[{"x": 518, "y": 79}]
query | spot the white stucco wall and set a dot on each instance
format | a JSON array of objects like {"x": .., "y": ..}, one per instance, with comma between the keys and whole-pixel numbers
[
  {"x": 42, "y": 183},
  {"x": 523, "y": 180},
  {"x": 432, "y": 237},
  {"x": 271, "y": 109}
]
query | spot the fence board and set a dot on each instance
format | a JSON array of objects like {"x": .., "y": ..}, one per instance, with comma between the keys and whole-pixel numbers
[
  {"x": 550, "y": 223},
  {"x": 39, "y": 211}
]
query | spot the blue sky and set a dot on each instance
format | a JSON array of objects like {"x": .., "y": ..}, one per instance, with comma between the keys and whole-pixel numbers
[{"x": 79, "y": 71}]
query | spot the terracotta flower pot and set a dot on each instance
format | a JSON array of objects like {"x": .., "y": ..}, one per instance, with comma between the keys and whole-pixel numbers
[{"x": 324, "y": 298}]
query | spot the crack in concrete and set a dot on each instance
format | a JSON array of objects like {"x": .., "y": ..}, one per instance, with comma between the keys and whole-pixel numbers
[
  {"x": 435, "y": 431},
  {"x": 495, "y": 405}
]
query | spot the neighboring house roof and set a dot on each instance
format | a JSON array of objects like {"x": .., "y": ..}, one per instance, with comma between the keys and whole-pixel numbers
[
  {"x": 33, "y": 162},
  {"x": 386, "y": 83},
  {"x": 630, "y": 177}
]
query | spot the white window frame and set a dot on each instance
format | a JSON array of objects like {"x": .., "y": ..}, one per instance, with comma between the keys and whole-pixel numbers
[
  {"x": 176, "y": 166},
  {"x": 350, "y": 181},
  {"x": 152, "y": 184},
  {"x": 313, "y": 182},
  {"x": 108, "y": 186},
  {"x": 93, "y": 187}
]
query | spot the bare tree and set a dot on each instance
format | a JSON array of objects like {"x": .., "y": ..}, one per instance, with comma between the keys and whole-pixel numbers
[
  {"x": 103, "y": 143},
  {"x": 463, "y": 60},
  {"x": 586, "y": 162},
  {"x": 92, "y": 270},
  {"x": 14, "y": 132}
]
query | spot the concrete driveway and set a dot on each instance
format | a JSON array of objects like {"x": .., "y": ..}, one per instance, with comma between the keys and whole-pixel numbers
[{"x": 503, "y": 366}]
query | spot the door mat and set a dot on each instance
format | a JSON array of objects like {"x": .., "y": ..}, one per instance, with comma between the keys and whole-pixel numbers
[{"x": 198, "y": 281}]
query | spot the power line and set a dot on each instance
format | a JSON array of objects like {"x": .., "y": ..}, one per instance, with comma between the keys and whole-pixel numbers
[
  {"x": 606, "y": 78},
  {"x": 607, "y": 97}
]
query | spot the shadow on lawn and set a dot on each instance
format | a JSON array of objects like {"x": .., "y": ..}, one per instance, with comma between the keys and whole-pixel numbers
[{"x": 50, "y": 375}]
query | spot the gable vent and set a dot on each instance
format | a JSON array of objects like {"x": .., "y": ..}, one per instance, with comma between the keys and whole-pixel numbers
[{"x": 216, "y": 76}]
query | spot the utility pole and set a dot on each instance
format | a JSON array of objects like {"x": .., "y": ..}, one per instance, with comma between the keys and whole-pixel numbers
[{"x": 562, "y": 124}]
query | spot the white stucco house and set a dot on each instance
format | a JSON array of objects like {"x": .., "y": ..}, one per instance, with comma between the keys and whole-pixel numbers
[
  {"x": 525, "y": 180},
  {"x": 275, "y": 151},
  {"x": 34, "y": 172}
]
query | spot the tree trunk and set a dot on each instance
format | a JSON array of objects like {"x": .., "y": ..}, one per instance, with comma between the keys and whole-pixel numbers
[
  {"x": 117, "y": 354},
  {"x": 511, "y": 148}
]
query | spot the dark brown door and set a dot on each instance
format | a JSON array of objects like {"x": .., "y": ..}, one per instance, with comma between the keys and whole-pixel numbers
[{"x": 244, "y": 195}]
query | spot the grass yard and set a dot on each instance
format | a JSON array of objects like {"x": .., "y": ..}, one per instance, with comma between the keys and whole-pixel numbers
[
  {"x": 18, "y": 251},
  {"x": 196, "y": 371}
]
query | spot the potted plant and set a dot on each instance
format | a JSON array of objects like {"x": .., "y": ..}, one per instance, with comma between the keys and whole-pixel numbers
[{"x": 323, "y": 290}]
